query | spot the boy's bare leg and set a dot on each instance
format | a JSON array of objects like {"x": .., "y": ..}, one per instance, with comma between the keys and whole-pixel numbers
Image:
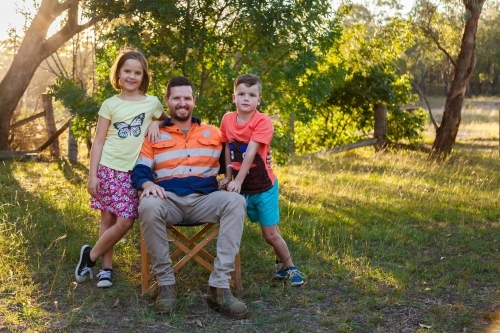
[{"x": 273, "y": 237}]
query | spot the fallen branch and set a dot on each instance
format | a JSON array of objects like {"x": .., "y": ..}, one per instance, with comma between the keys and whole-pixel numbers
[
  {"x": 369, "y": 142},
  {"x": 350, "y": 146},
  {"x": 422, "y": 148}
]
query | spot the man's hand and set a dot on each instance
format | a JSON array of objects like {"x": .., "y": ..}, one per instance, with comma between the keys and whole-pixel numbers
[
  {"x": 151, "y": 188},
  {"x": 223, "y": 183},
  {"x": 269, "y": 157}
]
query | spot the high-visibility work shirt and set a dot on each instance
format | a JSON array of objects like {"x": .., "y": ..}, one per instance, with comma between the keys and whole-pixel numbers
[{"x": 183, "y": 164}]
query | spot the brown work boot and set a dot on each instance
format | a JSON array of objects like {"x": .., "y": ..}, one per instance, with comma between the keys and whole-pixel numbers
[
  {"x": 167, "y": 298},
  {"x": 223, "y": 301}
]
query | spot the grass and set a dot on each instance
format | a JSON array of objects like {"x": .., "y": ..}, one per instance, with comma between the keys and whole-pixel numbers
[{"x": 390, "y": 242}]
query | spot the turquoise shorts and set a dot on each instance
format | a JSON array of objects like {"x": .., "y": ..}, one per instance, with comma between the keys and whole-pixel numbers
[{"x": 264, "y": 207}]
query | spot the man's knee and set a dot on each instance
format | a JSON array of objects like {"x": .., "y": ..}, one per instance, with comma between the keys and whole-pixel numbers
[
  {"x": 237, "y": 201},
  {"x": 150, "y": 208}
]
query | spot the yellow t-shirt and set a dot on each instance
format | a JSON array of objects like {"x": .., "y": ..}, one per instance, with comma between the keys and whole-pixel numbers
[{"x": 129, "y": 121}]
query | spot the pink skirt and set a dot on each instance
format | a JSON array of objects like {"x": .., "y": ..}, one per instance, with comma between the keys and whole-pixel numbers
[{"x": 116, "y": 194}]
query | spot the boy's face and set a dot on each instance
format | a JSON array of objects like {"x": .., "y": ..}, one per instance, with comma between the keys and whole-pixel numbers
[{"x": 246, "y": 98}]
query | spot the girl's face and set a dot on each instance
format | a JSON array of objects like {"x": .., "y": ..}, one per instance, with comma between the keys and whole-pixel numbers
[{"x": 130, "y": 75}]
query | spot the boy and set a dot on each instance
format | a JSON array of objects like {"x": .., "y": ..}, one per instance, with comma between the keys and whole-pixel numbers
[{"x": 247, "y": 134}]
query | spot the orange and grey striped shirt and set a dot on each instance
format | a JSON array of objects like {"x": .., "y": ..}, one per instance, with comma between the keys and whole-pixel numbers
[{"x": 181, "y": 163}]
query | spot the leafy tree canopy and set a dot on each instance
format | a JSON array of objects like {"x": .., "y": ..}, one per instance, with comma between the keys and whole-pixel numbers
[
  {"x": 343, "y": 112},
  {"x": 213, "y": 42}
]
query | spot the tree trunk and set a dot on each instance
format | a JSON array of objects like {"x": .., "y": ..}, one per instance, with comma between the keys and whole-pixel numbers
[
  {"x": 447, "y": 131},
  {"x": 34, "y": 48},
  {"x": 50, "y": 124},
  {"x": 72, "y": 146}
]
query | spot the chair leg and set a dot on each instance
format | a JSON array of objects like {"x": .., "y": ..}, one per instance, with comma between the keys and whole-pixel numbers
[
  {"x": 236, "y": 275},
  {"x": 191, "y": 253},
  {"x": 144, "y": 265}
]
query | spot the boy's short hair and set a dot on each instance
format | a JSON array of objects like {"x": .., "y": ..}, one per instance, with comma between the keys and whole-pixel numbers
[
  {"x": 248, "y": 80},
  {"x": 124, "y": 55},
  {"x": 178, "y": 81}
]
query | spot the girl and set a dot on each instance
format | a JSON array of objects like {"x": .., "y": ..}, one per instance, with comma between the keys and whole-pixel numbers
[{"x": 118, "y": 140}]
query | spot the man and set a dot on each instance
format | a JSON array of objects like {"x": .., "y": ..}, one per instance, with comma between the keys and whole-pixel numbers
[{"x": 178, "y": 178}]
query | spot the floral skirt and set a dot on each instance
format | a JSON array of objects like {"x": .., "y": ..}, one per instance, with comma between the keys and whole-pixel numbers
[{"x": 116, "y": 193}]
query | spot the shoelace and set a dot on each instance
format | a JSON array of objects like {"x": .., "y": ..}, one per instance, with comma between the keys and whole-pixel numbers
[
  {"x": 103, "y": 275},
  {"x": 293, "y": 273},
  {"x": 86, "y": 270}
]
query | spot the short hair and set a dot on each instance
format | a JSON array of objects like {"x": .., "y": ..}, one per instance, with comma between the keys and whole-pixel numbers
[
  {"x": 178, "y": 81},
  {"x": 248, "y": 80},
  {"x": 124, "y": 55}
]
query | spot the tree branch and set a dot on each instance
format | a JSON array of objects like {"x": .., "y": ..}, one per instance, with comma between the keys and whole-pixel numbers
[
  {"x": 66, "y": 32},
  {"x": 50, "y": 69},
  {"x": 350, "y": 146},
  {"x": 72, "y": 21},
  {"x": 54, "y": 8},
  {"x": 426, "y": 102},
  {"x": 275, "y": 62},
  {"x": 429, "y": 33},
  {"x": 427, "y": 30}
]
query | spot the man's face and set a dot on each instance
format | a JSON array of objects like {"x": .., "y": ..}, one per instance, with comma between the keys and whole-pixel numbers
[{"x": 180, "y": 103}]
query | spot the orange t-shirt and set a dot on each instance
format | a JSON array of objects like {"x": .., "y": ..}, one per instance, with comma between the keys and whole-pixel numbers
[{"x": 260, "y": 129}]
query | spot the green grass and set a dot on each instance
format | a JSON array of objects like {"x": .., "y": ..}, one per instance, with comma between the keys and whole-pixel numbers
[{"x": 390, "y": 242}]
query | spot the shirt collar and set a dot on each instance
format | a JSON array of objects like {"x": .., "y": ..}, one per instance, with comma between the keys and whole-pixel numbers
[{"x": 167, "y": 122}]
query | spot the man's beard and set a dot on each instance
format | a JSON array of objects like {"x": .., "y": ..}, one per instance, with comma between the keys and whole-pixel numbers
[{"x": 175, "y": 116}]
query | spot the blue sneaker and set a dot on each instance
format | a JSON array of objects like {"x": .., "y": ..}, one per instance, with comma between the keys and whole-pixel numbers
[
  {"x": 279, "y": 272},
  {"x": 295, "y": 276}
]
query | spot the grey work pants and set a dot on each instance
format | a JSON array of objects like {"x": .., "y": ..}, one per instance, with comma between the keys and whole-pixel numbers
[{"x": 226, "y": 208}]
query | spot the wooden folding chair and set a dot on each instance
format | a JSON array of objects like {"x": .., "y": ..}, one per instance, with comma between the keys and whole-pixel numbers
[{"x": 188, "y": 248}]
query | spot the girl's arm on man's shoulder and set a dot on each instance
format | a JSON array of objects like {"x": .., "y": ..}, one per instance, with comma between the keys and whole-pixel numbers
[{"x": 153, "y": 130}]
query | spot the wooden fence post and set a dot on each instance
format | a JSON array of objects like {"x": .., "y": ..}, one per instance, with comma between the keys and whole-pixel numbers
[
  {"x": 380, "y": 134},
  {"x": 72, "y": 146},
  {"x": 50, "y": 124}
]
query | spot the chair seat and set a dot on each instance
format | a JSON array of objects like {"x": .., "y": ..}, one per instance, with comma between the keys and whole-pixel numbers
[{"x": 188, "y": 248}]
